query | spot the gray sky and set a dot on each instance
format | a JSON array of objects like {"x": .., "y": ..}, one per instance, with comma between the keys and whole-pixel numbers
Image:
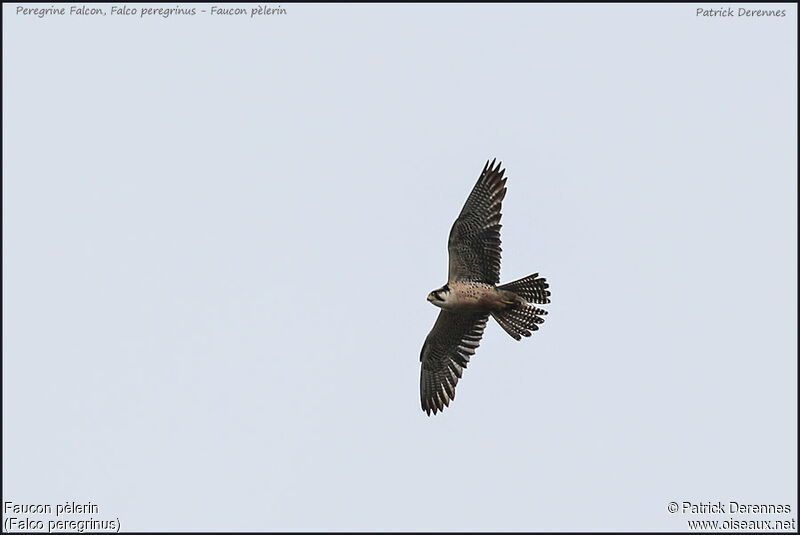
[{"x": 219, "y": 233}]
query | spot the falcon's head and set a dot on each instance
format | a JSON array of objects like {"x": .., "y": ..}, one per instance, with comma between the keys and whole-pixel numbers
[{"x": 439, "y": 297}]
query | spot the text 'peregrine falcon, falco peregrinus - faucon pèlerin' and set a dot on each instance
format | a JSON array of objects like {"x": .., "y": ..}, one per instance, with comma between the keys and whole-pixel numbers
[{"x": 471, "y": 293}]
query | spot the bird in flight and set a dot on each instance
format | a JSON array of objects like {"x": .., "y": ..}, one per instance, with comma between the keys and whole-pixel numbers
[{"x": 471, "y": 294}]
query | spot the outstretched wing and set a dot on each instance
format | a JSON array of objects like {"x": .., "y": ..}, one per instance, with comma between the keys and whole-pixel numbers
[
  {"x": 445, "y": 354},
  {"x": 474, "y": 243}
]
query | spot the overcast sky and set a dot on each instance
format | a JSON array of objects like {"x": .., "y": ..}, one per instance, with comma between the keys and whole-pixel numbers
[{"x": 219, "y": 233}]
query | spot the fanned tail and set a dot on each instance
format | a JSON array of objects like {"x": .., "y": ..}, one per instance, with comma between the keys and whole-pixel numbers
[{"x": 522, "y": 317}]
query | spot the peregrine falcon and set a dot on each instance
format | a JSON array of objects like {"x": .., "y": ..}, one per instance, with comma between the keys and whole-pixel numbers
[{"x": 471, "y": 294}]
